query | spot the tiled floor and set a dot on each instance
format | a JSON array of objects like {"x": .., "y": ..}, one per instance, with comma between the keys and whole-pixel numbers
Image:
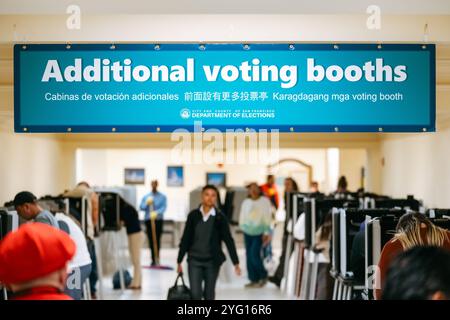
[{"x": 157, "y": 282}]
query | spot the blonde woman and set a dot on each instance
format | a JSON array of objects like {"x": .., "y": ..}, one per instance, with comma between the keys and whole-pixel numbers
[{"x": 413, "y": 230}]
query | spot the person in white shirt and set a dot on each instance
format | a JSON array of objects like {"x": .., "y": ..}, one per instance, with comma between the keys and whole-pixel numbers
[
  {"x": 254, "y": 221},
  {"x": 79, "y": 268},
  {"x": 83, "y": 189}
]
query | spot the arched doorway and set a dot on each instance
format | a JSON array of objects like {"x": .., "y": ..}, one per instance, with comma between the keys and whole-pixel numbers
[{"x": 299, "y": 170}]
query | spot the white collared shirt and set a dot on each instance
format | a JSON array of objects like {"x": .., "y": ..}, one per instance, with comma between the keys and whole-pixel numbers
[{"x": 205, "y": 216}]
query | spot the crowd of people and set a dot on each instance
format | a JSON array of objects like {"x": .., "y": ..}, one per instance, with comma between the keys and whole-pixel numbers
[{"x": 51, "y": 258}]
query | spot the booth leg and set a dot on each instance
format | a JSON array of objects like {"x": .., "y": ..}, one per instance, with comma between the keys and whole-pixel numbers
[
  {"x": 339, "y": 292},
  {"x": 349, "y": 293},
  {"x": 99, "y": 268},
  {"x": 313, "y": 281},
  {"x": 344, "y": 292},
  {"x": 305, "y": 276},
  {"x": 335, "y": 288}
]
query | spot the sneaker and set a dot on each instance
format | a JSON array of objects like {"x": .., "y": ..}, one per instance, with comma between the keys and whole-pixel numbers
[{"x": 252, "y": 285}]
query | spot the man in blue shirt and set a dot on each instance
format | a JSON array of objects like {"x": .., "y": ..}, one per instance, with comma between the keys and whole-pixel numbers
[{"x": 154, "y": 204}]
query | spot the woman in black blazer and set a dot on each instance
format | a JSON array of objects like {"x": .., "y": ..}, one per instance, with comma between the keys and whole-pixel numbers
[{"x": 206, "y": 229}]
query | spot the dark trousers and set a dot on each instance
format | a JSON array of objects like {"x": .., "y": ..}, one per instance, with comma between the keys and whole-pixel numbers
[
  {"x": 255, "y": 266},
  {"x": 159, "y": 230},
  {"x": 202, "y": 279},
  {"x": 93, "y": 277}
]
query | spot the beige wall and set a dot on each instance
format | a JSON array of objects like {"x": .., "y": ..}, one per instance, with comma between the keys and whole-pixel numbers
[
  {"x": 220, "y": 27},
  {"x": 31, "y": 163},
  {"x": 419, "y": 165},
  {"x": 350, "y": 163}
]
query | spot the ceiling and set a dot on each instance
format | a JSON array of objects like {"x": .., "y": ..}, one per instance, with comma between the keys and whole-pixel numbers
[{"x": 429, "y": 7}]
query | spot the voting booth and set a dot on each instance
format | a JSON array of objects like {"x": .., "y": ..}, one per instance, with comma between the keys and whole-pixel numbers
[
  {"x": 348, "y": 224},
  {"x": 378, "y": 231},
  {"x": 316, "y": 211}
]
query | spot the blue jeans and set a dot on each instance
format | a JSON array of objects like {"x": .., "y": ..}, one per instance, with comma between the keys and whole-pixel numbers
[
  {"x": 255, "y": 266},
  {"x": 93, "y": 277},
  {"x": 75, "y": 288},
  {"x": 267, "y": 250}
]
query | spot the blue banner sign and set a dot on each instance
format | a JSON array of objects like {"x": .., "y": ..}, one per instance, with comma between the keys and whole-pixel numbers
[{"x": 160, "y": 88}]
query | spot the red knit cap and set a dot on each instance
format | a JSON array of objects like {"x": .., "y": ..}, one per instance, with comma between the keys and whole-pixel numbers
[{"x": 33, "y": 251}]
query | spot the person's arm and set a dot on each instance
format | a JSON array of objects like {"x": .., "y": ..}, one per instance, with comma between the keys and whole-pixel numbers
[
  {"x": 267, "y": 216},
  {"x": 266, "y": 222},
  {"x": 163, "y": 206},
  {"x": 229, "y": 241},
  {"x": 184, "y": 243},
  {"x": 243, "y": 212},
  {"x": 144, "y": 205},
  {"x": 95, "y": 209}
]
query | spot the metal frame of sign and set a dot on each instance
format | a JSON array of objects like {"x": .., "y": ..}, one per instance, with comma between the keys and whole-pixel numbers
[{"x": 429, "y": 127}]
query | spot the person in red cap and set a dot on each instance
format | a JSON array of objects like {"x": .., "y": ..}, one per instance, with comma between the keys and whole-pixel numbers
[{"x": 33, "y": 262}]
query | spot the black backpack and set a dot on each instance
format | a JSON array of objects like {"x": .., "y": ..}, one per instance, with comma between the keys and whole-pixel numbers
[{"x": 179, "y": 292}]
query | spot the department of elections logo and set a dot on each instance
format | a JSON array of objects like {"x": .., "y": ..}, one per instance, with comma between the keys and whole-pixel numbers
[{"x": 185, "y": 113}]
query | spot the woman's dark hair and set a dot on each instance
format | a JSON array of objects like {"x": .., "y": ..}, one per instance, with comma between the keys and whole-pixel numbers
[
  {"x": 327, "y": 227},
  {"x": 418, "y": 274},
  {"x": 253, "y": 184},
  {"x": 342, "y": 183},
  {"x": 294, "y": 183}
]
